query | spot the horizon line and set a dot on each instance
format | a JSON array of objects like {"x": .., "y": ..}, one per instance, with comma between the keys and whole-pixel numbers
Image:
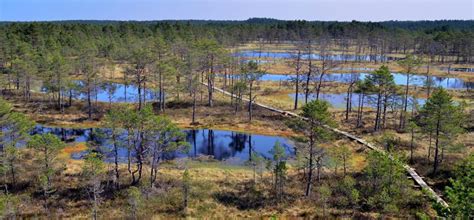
[{"x": 231, "y": 20}]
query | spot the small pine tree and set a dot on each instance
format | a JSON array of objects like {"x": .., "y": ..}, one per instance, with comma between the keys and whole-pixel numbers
[
  {"x": 386, "y": 186},
  {"x": 46, "y": 147},
  {"x": 324, "y": 192},
  {"x": 94, "y": 171},
  {"x": 317, "y": 114},
  {"x": 8, "y": 205},
  {"x": 461, "y": 192},
  {"x": 258, "y": 164},
  {"x": 443, "y": 118},
  {"x": 134, "y": 200},
  {"x": 279, "y": 169}
]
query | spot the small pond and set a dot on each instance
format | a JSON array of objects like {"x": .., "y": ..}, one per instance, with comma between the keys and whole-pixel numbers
[
  {"x": 338, "y": 100},
  {"x": 336, "y": 57},
  {"x": 113, "y": 92},
  {"x": 399, "y": 78},
  {"x": 232, "y": 147}
]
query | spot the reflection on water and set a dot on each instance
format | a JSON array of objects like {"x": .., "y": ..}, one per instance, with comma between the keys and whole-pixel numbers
[
  {"x": 221, "y": 145},
  {"x": 336, "y": 57},
  {"x": 65, "y": 134},
  {"x": 418, "y": 80},
  {"x": 399, "y": 78},
  {"x": 113, "y": 92},
  {"x": 338, "y": 100},
  {"x": 116, "y": 92}
]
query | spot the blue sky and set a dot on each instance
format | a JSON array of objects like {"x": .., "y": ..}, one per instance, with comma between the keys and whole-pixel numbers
[{"x": 342, "y": 10}]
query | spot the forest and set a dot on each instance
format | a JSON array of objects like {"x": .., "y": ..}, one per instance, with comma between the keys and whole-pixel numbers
[{"x": 261, "y": 118}]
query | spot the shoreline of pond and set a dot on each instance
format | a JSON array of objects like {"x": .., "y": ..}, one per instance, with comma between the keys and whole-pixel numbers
[{"x": 230, "y": 147}]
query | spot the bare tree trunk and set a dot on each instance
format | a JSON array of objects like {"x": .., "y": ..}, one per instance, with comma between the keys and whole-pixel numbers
[
  {"x": 298, "y": 67},
  {"x": 129, "y": 154},
  {"x": 309, "y": 182},
  {"x": 429, "y": 146},
  {"x": 194, "y": 107},
  {"x": 231, "y": 89},
  {"x": 161, "y": 98},
  {"x": 318, "y": 166},
  {"x": 361, "y": 110},
  {"x": 94, "y": 212},
  {"x": 436, "y": 159},
  {"x": 428, "y": 81},
  {"x": 384, "y": 117},
  {"x": 144, "y": 93},
  {"x": 59, "y": 90},
  {"x": 405, "y": 104},
  {"x": 210, "y": 83},
  {"x": 411, "y": 144},
  {"x": 377, "y": 115},
  {"x": 89, "y": 102},
  {"x": 318, "y": 89},
  {"x": 125, "y": 86},
  {"x": 116, "y": 162},
  {"x": 349, "y": 101},
  {"x": 250, "y": 102},
  {"x": 70, "y": 98},
  {"x": 225, "y": 78},
  {"x": 308, "y": 75},
  {"x": 139, "y": 90}
]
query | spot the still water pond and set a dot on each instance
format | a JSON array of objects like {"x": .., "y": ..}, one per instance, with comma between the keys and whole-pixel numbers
[
  {"x": 232, "y": 147},
  {"x": 338, "y": 100},
  {"x": 109, "y": 92},
  {"x": 399, "y": 78},
  {"x": 336, "y": 57}
]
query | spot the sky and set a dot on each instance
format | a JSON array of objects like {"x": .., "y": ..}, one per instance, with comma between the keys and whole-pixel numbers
[{"x": 327, "y": 10}]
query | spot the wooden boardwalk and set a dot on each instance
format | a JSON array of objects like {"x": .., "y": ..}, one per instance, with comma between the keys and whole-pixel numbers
[{"x": 417, "y": 178}]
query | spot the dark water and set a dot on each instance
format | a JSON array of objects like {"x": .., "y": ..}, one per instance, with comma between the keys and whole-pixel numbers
[
  {"x": 114, "y": 92},
  {"x": 339, "y": 100},
  {"x": 335, "y": 57},
  {"x": 229, "y": 146},
  {"x": 399, "y": 78}
]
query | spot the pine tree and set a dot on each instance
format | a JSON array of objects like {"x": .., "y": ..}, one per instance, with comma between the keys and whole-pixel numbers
[
  {"x": 444, "y": 118},
  {"x": 460, "y": 193},
  {"x": 93, "y": 172},
  {"x": 383, "y": 86},
  {"x": 317, "y": 114},
  {"x": 409, "y": 65},
  {"x": 279, "y": 170},
  {"x": 46, "y": 147}
]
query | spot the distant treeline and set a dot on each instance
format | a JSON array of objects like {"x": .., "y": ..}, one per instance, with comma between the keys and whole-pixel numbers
[
  {"x": 442, "y": 41},
  {"x": 411, "y": 25}
]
